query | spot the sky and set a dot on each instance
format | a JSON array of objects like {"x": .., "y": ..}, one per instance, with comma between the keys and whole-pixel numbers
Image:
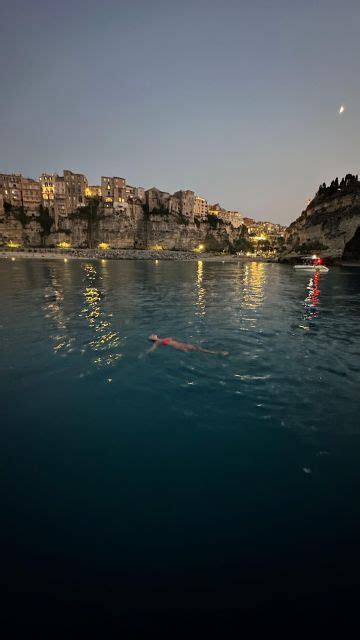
[{"x": 235, "y": 100}]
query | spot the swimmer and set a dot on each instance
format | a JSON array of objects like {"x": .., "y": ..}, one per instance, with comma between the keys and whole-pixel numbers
[{"x": 181, "y": 346}]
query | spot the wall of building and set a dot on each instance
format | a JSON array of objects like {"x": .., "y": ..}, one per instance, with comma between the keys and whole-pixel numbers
[{"x": 75, "y": 185}]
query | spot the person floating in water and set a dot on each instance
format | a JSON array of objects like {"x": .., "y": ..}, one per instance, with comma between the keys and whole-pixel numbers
[{"x": 181, "y": 346}]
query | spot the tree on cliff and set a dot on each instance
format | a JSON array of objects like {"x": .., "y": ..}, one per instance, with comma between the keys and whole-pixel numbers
[
  {"x": 19, "y": 214},
  {"x": 46, "y": 222},
  {"x": 241, "y": 244}
]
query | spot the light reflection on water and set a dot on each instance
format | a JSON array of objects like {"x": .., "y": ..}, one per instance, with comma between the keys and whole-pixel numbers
[
  {"x": 201, "y": 292},
  {"x": 53, "y": 307},
  {"x": 254, "y": 285},
  {"x": 311, "y": 302},
  {"x": 106, "y": 342}
]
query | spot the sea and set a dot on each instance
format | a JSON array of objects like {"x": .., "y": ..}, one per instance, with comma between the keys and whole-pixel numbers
[{"x": 181, "y": 489}]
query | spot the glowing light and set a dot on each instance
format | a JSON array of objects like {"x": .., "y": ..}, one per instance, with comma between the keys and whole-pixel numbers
[
  {"x": 199, "y": 248},
  {"x": 103, "y": 261},
  {"x": 200, "y": 290},
  {"x": 342, "y": 109},
  {"x": 314, "y": 257},
  {"x": 65, "y": 259},
  {"x": 64, "y": 245},
  {"x": 13, "y": 245},
  {"x": 156, "y": 247},
  {"x": 13, "y": 259},
  {"x": 156, "y": 261},
  {"x": 103, "y": 246}
]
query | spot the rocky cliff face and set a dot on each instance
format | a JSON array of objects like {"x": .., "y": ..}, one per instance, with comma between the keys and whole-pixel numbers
[
  {"x": 133, "y": 228},
  {"x": 330, "y": 225}
]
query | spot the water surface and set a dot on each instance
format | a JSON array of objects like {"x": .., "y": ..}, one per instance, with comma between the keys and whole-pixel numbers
[{"x": 177, "y": 485}]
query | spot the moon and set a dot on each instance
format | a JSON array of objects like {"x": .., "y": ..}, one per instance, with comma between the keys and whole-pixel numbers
[{"x": 342, "y": 109}]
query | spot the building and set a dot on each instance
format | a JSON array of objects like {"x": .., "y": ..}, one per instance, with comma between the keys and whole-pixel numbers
[
  {"x": 140, "y": 194},
  {"x": 215, "y": 209},
  {"x": 248, "y": 222},
  {"x": 47, "y": 181},
  {"x": 201, "y": 207},
  {"x": 75, "y": 185},
  {"x": 130, "y": 193},
  {"x": 113, "y": 191},
  {"x": 53, "y": 194},
  {"x": 60, "y": 198},
  {"x": 93, "y": 191},
  {"x": 161, "y": 201},
  {"x": 2, "y": 211},
  {"x": 10, "y": 188},
  {"x": 267, "y": 229},
  {"x": 187, "y": 203},
  {"x": 266, "y": 236},
  {"x": 235, "y": 218},
  {"x": 31, "y": 195},
  {"x": 20, "y": 192}
]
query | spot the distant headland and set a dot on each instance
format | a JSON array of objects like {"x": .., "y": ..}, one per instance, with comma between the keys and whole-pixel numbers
[{"x": 330, "y": 224}]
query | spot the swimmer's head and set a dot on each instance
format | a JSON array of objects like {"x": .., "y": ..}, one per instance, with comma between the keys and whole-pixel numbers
[{"x": 153, "y": 337}]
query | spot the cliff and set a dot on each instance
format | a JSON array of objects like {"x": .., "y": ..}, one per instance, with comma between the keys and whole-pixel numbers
[
  {"x": 330, "y": 225},
  {"x": 133, "y": 227}
]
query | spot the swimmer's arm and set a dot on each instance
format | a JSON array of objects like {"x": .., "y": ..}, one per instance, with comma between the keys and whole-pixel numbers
[{"x": 153, "y": 347}]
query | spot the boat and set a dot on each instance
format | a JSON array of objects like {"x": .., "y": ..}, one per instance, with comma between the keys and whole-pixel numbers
[{"x": 311, "y": 263}]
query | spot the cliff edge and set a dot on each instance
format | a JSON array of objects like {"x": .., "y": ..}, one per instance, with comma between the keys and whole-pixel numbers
[{"x": 330, "y": 225}]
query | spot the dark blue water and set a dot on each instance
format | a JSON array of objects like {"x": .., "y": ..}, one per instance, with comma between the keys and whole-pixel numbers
[{"x": 171, "y": 486}]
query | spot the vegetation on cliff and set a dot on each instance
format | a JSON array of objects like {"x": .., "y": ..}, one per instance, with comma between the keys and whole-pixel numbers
[
  {"x": 346, "y": 185},
  {"x": 92, "y": 213},
  {"x": 46, "y": 222}
]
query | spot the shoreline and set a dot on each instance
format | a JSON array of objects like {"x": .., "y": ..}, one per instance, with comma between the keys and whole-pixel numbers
[{"x": 126, "y": 254}]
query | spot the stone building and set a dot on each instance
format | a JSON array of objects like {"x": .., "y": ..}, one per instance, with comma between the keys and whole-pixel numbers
[
  {"x": 20, "y": 192},
  {"x": 31, "y": 195},
  {"x": 113, "y": 191},
  {"x": 60, "y": 199},
  {"x": 161, "y": 201},
  {"x": 248, "y": 222},
  {"x": 187, "y": 203},
  {"x": 235, "y": 218},
  {"x": 214, "y": 209},
  {"x": 10, "y": 188},
  {"x": 140, "y": 194},
  {"x": 201, "y": 207},
  {"x": 75, "y": 185}
]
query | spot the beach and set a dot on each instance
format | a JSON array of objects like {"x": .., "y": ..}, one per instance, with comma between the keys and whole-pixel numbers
[{"x": 124, "y": 254}]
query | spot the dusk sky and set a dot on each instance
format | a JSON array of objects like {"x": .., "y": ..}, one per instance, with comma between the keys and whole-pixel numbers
[{"x": 235, "y": 100}]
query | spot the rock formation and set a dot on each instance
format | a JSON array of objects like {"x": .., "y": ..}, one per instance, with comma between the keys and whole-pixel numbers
[
  {"x": 330, "y": 225},
  {"x": 164, "y": 221}
]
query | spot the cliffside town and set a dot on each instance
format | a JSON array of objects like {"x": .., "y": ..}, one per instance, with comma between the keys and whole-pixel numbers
[
  {"x": 330, "y": 225},
  {"x": 65, "y": 211}
]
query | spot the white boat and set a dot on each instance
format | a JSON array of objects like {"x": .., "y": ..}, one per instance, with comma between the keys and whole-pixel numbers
[{"x": 312, "y": 264}]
